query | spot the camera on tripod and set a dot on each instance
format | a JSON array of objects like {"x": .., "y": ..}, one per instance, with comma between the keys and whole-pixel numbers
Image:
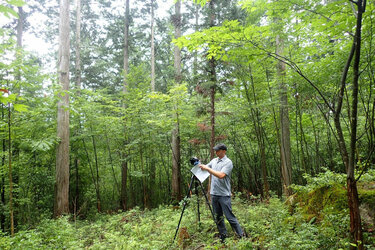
[
  {"x": 194, "y": 161},
  {"x": 198, "y": 176}
]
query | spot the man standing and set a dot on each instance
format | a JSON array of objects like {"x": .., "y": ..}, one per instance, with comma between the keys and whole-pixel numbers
[{"x": 220, "y": 169}]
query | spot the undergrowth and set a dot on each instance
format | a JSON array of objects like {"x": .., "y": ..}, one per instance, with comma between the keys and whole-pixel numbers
[{"x": 271, "y": 224}]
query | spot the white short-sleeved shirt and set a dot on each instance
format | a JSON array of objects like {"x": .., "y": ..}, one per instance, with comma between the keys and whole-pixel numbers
[{"x": 219, "y": 186}]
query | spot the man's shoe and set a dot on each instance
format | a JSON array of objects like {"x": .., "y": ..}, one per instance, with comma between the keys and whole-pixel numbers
[{"x": 223, "y": 237}]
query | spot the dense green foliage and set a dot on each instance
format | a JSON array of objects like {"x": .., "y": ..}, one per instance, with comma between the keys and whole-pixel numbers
[
  {"x": 109, "y": 127},
  {"x": 269, "y": 225}
]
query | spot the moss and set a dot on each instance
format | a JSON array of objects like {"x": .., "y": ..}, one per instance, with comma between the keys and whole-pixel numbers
[
  {"x": 366, "y": 193},
  {"x": 330, "y": 199},
  {"x": 314, "y": 203}
]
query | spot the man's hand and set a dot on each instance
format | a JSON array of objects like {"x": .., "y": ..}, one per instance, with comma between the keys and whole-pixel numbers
[{"x": 204, "y": 167}]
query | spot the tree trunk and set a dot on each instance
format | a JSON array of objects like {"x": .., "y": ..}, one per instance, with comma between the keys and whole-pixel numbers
[
  {"x": 152, "y": 48},
  {"x": 20, "y": 21},
  {"x": 144, "y": 183},
  {"x": 10, "y": 174},
  {"x": 124, "y": 164},
  {"x": 62, "y": 152},
  {"x": 176, "y": 151},
  {"x": 2, "y": 187},
  {"x": 126, "y": 46},
  {"x": 195, "y": 61},
  {"x": 286, "y": 165},
  {"x": 78, "y": 46},
  {"x": 176, "y": 163},
  {"x": 20, "y": 27},
  {"x": 355, "y": 217},
  {"x": 78, "y": 80},
  {"x": 97, "y": 178},
  {"x": 212, "y": 77}
]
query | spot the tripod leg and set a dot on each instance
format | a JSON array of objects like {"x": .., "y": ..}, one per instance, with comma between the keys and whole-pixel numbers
[
  {"x": 185, "y": 203},
  {"x": 197, "y": 194}
]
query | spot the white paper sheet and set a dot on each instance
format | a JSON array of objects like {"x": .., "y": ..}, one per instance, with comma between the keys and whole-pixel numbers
[{"x": 199, "y": 173}]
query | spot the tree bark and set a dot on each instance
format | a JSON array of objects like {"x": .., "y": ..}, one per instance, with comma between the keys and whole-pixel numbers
[
  {"x": 78, "y": 80},
  {"x": 20, "y": 21},
  {"x": 152, "y": 48},
  {"x": 11, "y": 211},
  {"x": 97, "y": 177},
  {"x": 286, "y": 165},
  {"x": 212, "y": 75},
  {"x": 62, "y": 152},
  {"x": 176, "y": 151},
  {"x": 124, "y": 164},
  {"x": 195, "y": 53},
  {"x": 78, "y": 46},
  {"x": 353, "y": 200},
  {"x": 2, "y": 187}
]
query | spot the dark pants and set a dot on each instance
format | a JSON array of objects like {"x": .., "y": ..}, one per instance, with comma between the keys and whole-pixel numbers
[{"x": 222, "y": 205}]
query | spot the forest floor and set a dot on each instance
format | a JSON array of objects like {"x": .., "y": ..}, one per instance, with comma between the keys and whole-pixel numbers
[{"x": 315, "y": 218}]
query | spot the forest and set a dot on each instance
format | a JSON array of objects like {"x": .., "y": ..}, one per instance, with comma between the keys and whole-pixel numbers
[{"x": 103, "y": 104}]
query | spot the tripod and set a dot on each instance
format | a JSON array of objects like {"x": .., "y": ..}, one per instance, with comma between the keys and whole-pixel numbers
[{"x": 194, "y": 180}]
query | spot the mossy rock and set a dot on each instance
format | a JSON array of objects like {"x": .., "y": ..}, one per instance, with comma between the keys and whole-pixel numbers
[
  {"x": 314, "y": 203},
  {"x": 332, "y": 199},
  {"x": 329, "y": 196},
  {"x": 367, "y": 207},
  {"x": 366, "y": 193}
]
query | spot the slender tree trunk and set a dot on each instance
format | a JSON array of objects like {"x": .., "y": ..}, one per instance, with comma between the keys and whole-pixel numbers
[
  {"x": 131, "y": 187},
  {"x": 144, "y": 183},
  {"x": 355, "y": 217},
  {"x": 286, "y": 165},
  {"x": 20, "y": 21},
  {"x": 97, "y": 178},
  {"x": 212, "y": 73},
  {"x": 78, "y": 80},
  {"x": 152, "y": 48},
  {"x": 152, "y": 180},
  {"x": 62, "y": 152},
  {"x": 212, "y": 76},
  {"x": 195, "y": 62},
  {"x": 20, "y": 26},
  {"x": 126, "y": 46},
  {"x": 176, "y": 163},
  {"x": 124, "y": 178},
  {"x": 176, "y": 152},
  {"x": 124, "y": 164},
  {"x": 2, "y": 187},
  {"x": 10, "y": 173},
  {"x": 78, "y": 46}
]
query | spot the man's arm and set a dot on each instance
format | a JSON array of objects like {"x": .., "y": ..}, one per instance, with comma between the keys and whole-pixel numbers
[{"x": 218, "y": 174}]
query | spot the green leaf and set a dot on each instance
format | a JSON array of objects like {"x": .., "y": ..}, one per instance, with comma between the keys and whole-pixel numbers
[
  {"x": 20, "y": 107},
  {"x": 8, "y": 11},
  {"x": 18, "y": 3}
]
